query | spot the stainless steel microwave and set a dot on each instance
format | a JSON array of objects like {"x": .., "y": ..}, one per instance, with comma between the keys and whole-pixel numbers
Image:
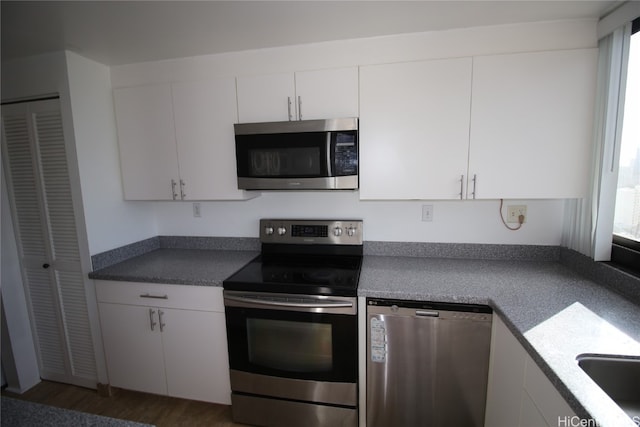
[{"x": 298, "y": 155}]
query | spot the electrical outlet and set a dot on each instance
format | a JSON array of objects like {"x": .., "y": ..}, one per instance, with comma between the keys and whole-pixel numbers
[
  {"x": 427, "y": 213},
  {"x": 513, "y": 212},
  {"x": 197, "y": 213}
]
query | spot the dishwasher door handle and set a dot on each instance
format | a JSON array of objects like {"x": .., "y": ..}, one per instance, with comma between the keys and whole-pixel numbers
[{"x": 427, "y": 313}]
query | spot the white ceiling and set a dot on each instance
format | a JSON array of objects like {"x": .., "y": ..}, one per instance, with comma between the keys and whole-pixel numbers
[{"x": 121, "y": 32}]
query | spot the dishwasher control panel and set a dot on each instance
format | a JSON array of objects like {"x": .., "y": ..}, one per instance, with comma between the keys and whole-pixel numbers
[{"x": 435, "y": 309}]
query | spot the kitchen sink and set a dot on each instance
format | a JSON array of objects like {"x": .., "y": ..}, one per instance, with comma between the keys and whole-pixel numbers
[{"x": 619, "y": 377}]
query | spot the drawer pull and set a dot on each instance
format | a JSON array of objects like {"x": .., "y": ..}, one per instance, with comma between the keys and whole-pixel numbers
[{"x": 154, "y": 296}]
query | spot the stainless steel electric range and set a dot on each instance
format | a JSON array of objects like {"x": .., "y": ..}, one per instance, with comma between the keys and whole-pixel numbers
[{"x": 292, "y": 326}]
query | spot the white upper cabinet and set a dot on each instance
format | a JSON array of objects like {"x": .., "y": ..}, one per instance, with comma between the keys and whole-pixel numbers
[
  {"x": 531, "y": 124},
  {"x": 176, "y": 141},
  {"x": 204, "y": 114},
  {"x": 302, "y": 95},
  {"x": 414, "y": 129},
  {"x": 266, "y": 98},
  {"x": 517, "y": 126},
  {"x": 146, "y": 137},
  {"x": 327, "y": 94}
]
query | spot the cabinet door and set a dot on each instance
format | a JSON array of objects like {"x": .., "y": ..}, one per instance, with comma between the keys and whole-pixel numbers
[
  {"x": 414, "y": 129},
  {"x": 133, "y": 350},
  {"x": 204, "y": 116},
  {"x": 519, "y": 393},
  {"x": 530, "y": 415},
  {"x": 197, "y": 363},
  {"x": 506, "y": 377},
  {"x": 544, "y": 396},
  {"x": 266, "y": 98},
  {"x": 326, "y": 94},
  {"x": 531, "y": 124},
  {"x": 146, "y": 138}
]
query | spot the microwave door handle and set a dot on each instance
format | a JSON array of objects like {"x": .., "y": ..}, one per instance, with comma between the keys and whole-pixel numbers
[{"x": 329, "y": 168}]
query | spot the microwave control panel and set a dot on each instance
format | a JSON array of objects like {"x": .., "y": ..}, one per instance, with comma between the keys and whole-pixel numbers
[{"x": 346, "y": 153}]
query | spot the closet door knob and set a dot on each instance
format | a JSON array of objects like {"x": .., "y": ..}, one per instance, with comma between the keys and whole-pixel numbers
[{"x": 45, "y": 265}]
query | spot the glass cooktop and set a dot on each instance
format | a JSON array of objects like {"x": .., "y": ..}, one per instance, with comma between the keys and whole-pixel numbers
[{"x": 308, "y": 274}]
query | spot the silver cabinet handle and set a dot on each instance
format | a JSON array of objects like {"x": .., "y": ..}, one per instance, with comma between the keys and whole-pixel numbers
[
  {"x": 182, "y": 193},
  {"x": 154, "y": 296},
  {"x": 151, "y": 322},
  {"x": 162, "y": 325},
  {"x": 289, "y": 107},
  {"x": 461, "y": 187},
  {"x": 475, "y": 181},
  {"x": 173, "y": 189},
  {"x": 299, "y": 108}
]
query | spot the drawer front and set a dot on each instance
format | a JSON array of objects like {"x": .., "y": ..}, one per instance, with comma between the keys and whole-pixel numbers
[{"x": 205, "y": 298}]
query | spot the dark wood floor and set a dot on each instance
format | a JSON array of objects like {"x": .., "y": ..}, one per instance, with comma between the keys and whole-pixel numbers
[{"x": 130, "y": 405}]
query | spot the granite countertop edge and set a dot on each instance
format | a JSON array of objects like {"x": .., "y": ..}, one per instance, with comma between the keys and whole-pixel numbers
[
  {"x": 192, "y": 267},
  {"x": 155, "y": 279}
]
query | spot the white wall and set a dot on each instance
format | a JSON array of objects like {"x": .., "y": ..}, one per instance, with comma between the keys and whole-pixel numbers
[
  {"x": 386, "y": 49},
  {"x": 110, "y": 221},
  {"x": 85, "y": 93},
  {"x": 35, "y": 76},
  {"x": 455, "y": 221}
]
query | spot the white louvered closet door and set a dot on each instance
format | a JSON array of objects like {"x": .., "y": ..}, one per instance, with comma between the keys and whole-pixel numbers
[{"x": 40, "y": 191}]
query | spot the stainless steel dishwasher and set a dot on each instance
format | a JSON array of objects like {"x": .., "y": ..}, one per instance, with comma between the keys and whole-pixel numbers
[{"x": 427, "y": 363}]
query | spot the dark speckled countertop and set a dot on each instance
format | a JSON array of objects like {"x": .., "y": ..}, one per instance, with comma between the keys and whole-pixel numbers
[
  {"x": 557, "y": 303},
  {"x": 198, "y": 267},
  {"x": 20, "y": 413}
]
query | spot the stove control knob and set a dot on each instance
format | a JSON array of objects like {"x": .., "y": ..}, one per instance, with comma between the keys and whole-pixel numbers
[
  {"x": 351, "y": 231},
  {"x": 337, "y": 231},
  {"x": 268, "y": 230},
  {"x": 282, "y": 231}
]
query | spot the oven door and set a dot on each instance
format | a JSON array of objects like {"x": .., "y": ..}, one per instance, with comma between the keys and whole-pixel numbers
[{"x": 297, "y": 347}]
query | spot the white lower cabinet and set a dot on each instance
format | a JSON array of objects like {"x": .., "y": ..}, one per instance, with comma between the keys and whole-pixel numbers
[
  {"x": 134, "y": 352},
  {"x": 165, "y": 339},
  {"x": 519, "y": 393}
]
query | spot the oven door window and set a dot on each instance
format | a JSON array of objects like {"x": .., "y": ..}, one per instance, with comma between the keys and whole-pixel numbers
[
  {"x": 282, "y": 156},
  {"x": 292, "y": 344}
]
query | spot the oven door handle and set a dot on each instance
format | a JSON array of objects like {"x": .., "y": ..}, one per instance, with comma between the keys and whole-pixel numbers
[{"x": 276, "y": 303}]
